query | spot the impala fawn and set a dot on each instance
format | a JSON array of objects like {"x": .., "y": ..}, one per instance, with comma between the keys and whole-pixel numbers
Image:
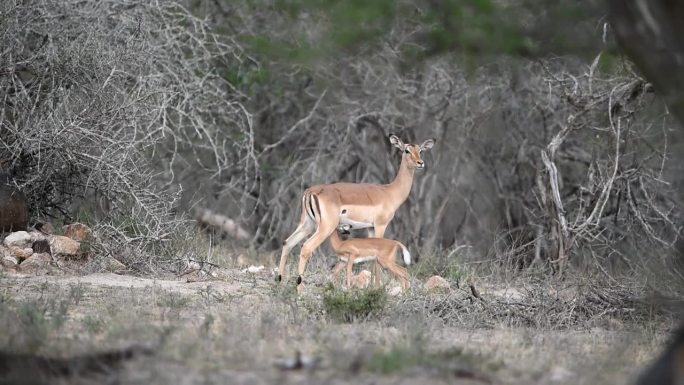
[{"x": 380, "y": 250}]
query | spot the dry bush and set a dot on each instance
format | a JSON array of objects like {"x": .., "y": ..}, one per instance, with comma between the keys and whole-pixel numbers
[
  {"x": 539, "y": 305},
  {"x": 487, "y": 185},
  {"x": 101, "y": 99},
  {"x": 145, "y": 105}
]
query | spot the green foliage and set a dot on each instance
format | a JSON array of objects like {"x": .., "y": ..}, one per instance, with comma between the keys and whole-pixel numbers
[
  {"x": 355, "y": 304},
  {"x": 463, "y": 26},
  {"x": 468, "y": 28},
  {"x": 247, "y": 78}
]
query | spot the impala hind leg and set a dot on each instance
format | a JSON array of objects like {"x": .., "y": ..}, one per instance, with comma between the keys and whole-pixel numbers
[
  {"x": 305, "y": 227},
  {"x": 399, "y": 272}
]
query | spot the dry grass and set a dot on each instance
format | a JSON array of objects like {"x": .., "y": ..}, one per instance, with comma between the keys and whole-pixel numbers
[{"x": 234, "y": 329}]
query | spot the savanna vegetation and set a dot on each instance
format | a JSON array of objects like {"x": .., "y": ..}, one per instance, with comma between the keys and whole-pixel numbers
[{"x": 551, "y": 201}]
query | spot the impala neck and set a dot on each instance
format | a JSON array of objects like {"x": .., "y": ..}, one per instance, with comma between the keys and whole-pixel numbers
[
  {"x": 401, "y": 185},
  {"x": 335, "y": 240}
]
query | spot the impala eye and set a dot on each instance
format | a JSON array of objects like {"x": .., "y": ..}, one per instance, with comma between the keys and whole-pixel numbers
[{"x": 407, "y": 151}]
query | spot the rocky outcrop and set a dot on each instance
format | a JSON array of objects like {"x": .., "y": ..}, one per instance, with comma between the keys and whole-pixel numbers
[{"x": 35, "y": 251}]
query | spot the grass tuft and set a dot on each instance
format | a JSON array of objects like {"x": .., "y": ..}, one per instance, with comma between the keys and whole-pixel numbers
[{"x": 355, "y": 304}]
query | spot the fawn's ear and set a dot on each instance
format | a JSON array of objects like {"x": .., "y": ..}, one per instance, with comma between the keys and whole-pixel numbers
[
  {"x": 396, "y": 142},
  {"x": 427, "y": 144}
]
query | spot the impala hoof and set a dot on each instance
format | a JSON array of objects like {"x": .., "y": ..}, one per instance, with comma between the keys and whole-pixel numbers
[
  {"x": 279, "y": 278},
  {"x": 299, "y": 280}
]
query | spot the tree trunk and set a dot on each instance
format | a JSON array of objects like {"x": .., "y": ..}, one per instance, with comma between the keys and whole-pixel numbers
[{"x": 650, "y": 32}]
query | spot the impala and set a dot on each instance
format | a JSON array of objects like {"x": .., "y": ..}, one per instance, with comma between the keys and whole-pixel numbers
[
  {"x": 359, "y": 205},
  {"x": 382, "y": 251}
]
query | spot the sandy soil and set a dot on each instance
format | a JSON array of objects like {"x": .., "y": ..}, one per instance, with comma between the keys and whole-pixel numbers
[{"x": 238, "y": 328}]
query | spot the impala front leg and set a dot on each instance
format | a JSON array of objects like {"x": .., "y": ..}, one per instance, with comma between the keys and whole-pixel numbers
[
  {"x": 377, "y": 274},
  {"x": 378, "y": 230},
  {"x": 350, "y": 264},
  {"x": 321, "y": 234}
]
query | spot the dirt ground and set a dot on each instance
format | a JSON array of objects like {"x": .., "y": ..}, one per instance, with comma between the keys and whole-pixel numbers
[{"x": 245, "y": 329}]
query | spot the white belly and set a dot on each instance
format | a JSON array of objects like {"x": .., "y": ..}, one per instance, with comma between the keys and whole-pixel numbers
[
  {"x": 360, "y": 259},
  {"x": 354, "y": 224}
]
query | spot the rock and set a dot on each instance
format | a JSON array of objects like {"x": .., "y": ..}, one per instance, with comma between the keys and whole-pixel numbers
[
  {"x": 76, "y": 231},
  {"x": 9, "y": 261},
  {"x": 13, "y": 206},
  {"x": 64, "y": 246},
  {"x": 37, "y": 236},
  {"x": 44, "y": 228},
  {"x": 20, "y": 253},
  {"x": 37, "y": 262},
  {"x": 253, "y": 269},
  {"x": 395, "y": 291},
  {"x": 361, "y": 280},
  {"x": 19, "y": 239},
  {"x": 436, "y": 283},
  {"x": 113, "y": 265}
]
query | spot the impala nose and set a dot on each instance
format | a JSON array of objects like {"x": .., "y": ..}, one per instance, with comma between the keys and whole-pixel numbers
[{"x": 421, "y": 164}]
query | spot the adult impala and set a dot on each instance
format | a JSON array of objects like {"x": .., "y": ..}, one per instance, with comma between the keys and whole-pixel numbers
[{"x": 359, "y": 205}]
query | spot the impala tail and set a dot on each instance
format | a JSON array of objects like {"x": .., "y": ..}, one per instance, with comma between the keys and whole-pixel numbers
[{"x": 405, "y": 253}]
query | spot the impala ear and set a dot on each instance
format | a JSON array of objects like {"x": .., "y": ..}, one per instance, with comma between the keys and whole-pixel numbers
[
  {"x": 396, "y": 142},
  {"x": 427, "y": 144}
]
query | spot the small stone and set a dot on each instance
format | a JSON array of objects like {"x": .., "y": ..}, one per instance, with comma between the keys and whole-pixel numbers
[
  {"x": 37, "y": 236},
  {"x": 38, "y": 262},
  {"x": 19, "y": 239},
  {"x": 64, "y": 246},
  {"x": 45, "y": 228},
  {"x": 436, "y": 283},
  {"x": 20, "y": 253},
  {"x": 253, "y": 269},
  {"x": 113, "y": 265},
  {"x": 395, "y": 291},
  {"x": 76, "y": 231},
  {"x": 9, "y": 261}
]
